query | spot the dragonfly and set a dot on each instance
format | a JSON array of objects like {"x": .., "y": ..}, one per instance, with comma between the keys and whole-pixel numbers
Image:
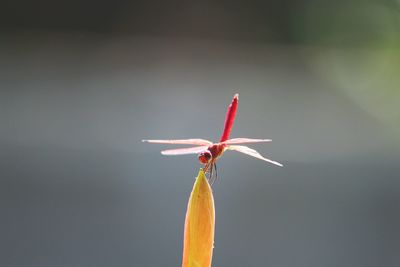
[{"x": 208, "y": 152}]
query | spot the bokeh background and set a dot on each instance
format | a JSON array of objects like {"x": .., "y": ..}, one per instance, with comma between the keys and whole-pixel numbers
[{"x": 83, "y": 82}]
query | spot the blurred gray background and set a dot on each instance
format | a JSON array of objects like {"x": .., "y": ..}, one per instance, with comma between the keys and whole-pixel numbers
[{"x": 82, "y": 83}]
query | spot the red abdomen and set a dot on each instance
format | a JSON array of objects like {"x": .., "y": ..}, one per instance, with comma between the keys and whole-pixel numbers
[{"x": 230, "y": 118}]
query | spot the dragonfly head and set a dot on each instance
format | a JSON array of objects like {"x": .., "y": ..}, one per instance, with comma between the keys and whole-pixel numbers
[{"x": 205, "y": 157}]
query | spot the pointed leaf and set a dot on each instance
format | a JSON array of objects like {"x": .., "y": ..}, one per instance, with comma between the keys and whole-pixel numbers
[{"x": 199, "y": 225}]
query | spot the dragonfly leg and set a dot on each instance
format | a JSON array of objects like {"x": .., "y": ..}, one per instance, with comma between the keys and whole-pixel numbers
[
  {"x": 216, "y": 172},
  {"x": 206, "y": 166},
  {"x": 205, "y": 169},
  {"x": 210, "y": 178},
  {"x": 213, "y": 175}
]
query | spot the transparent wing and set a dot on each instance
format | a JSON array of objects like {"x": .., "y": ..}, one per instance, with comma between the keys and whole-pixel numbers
[
  {"x": 195, "y": 141},
  {"x": 185, "y": 151},
  {"x": 245, "y": 141},
  {"x": 251, "y": 152}
]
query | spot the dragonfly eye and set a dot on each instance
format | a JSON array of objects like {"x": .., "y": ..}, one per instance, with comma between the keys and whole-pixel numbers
[{"x": 204, "y": 157}]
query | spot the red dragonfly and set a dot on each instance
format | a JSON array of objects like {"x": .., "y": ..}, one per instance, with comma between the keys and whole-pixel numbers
[{"x": 209, "y": 152}]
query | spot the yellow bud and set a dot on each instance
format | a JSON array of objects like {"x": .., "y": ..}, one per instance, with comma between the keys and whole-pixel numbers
[{"x": 199, "y": 225}]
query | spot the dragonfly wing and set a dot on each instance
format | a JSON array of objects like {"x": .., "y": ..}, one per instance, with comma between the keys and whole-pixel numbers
[
  {"x": 251, "y": 152},
  {"x": 195, "y": 141},
  {"x": 245, "y": 141},
  {"x": 185, "y": 151}
]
